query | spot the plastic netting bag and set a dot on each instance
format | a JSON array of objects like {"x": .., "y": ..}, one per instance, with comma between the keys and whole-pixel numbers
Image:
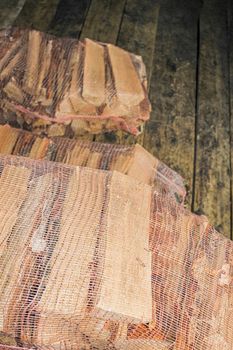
[
  {"x": 88, "y": 86},
  {"x": 134, "y": 161},
  {"x": 94, "y": 259}
]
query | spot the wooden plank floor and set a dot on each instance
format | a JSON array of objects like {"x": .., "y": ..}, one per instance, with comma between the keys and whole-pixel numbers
[{"x": 187, "y": 48}]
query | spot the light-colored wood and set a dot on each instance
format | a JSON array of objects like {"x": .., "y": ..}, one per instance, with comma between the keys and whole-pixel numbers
[
  {"x": 12, "y": 197},
  {"x": 27, "y": 238},
  {"x": 39, "y": 148},
  {"x": 44, "y": 67},
  {"x": 74, "y": 103},
  {"x": 67, "y": 289},
  {"x": 126, "y": 292},
  {"x": 94, "y": 73},
  {"x": 212, "y": 166},
  {"x": 144, "y": 344},
  {"x": 32, "y": 67},
  {"x": 8, "y": 138},
  {"x": 13, "y": 91},
  {"x": 128, "y": 86},
  {"x": 143, "y": 167},
  {"x": 7, "y": 70},
  {"x": 8, "y": 55}
]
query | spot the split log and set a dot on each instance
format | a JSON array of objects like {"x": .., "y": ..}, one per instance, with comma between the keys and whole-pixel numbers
[
  {"x": 8, "y": 138},
  {"x": 13, "y": 91},
  {"x": 44, "y": 69},
  {"x": 94, "y": 73},
  {"x": 8, "y": 70},
  {"x": 12, "y": 51},
  {"x": 128, "y": 86},
  {"x": 67, "y": 292},
  {"x": 127, "y": 242},
  {"x": 128, "y": 160},
  {"x": 33, "y": 63}
]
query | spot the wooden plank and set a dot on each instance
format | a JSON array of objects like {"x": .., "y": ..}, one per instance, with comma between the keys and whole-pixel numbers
[
  {"x": 69, "y": 18},
  {"x": 9, "y": 10},
  {"x": 170, "y": 132},
  {"x": 140, "y": 20},
  {"x": 212, "y": 178},
  {"x": 37, "y": 14},
  {"x": 126, "y": 291},
  {"x": 230, "y": 67},
  {"x": 103, "y": 20}
]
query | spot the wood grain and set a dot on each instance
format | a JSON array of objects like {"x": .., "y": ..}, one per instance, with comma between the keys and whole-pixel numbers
[
  {"x": 126, "y": 291},
  {"x": 69, "y": 18},
  {"x": 103, "y": 20},
  {"x": 37, "y": 14},
  {"x": 212, "y": 167},
  {"x": 230, "y": 67},
  {"x": 94, "y": 73},
  {"x": 169, "y": 133}
]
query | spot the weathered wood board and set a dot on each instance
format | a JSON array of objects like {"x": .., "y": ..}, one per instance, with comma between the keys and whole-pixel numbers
[
  {"x": 170, "y": 131},
  {"x": 212, "y": 163}
]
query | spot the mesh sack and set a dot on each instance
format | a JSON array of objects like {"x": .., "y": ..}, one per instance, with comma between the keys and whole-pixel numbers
[
  {"x": 134, "y": 161},
  {"x": 75, "y": 259},
  {"x": 93, "y": 86},
  {"x": 94, "y": 259}
]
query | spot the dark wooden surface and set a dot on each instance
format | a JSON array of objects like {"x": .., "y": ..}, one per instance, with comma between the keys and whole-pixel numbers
[{"x": 188, "y": 51}]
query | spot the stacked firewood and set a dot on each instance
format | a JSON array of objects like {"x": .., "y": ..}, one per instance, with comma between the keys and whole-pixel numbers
[
  {"x": 97, "y": 250},
  {"x": 95, "y": 259},
  {"x": 83, "y": 86},
  {"x": 129, "y": 160}
]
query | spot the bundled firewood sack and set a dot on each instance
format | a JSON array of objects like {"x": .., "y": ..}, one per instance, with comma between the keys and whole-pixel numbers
[
  {"x": 95, "y": 259},
  {"x": 134, "y": 161},
  {"x": 88, "y": 86}
]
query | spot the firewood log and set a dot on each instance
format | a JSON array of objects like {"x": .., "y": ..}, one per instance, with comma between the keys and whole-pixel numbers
[
  {"x": 32, "y": 64},
  {"x": 14, "y": 91},
  {"x": 118, "y": 298},
  {"x": 127, "y": 83},
  {"x": 93, "y": 90}
]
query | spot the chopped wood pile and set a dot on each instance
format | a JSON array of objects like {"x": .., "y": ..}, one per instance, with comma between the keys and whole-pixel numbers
[
  {"x": 95, "y": 259},
  {"x": 97, "y": 250},
  {"x": 84, "y": 86},
  {"x": 129, "y": 160}
]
